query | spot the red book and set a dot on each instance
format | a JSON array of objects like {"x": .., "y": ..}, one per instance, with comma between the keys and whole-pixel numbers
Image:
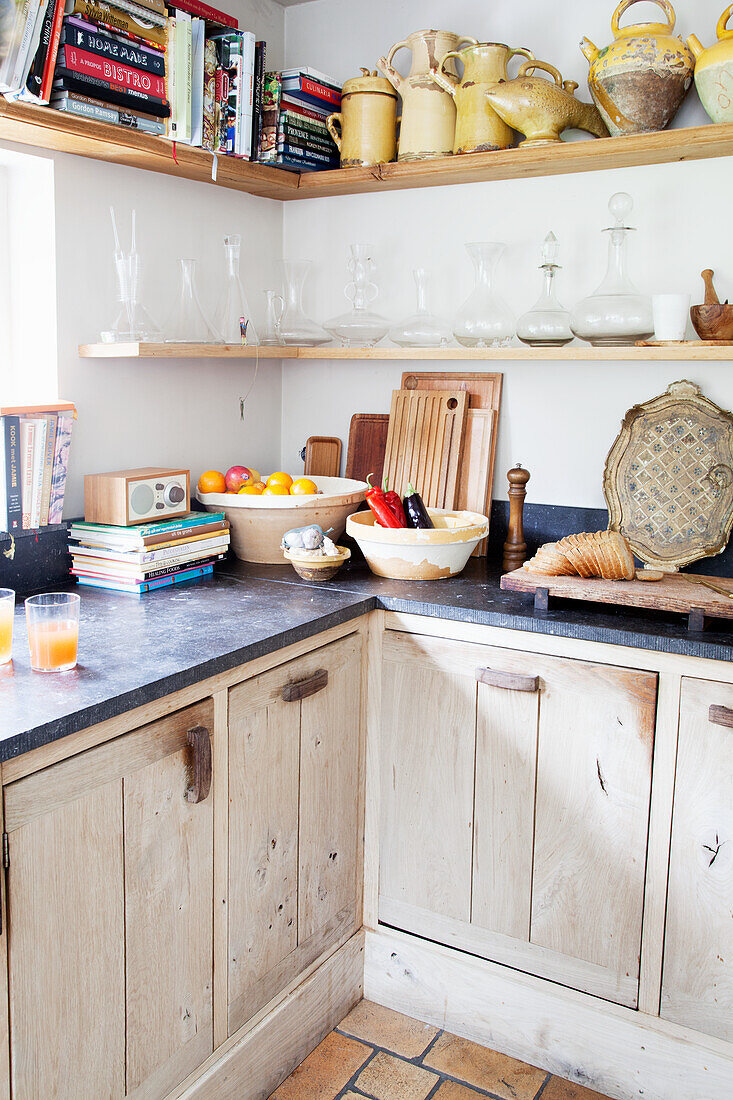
[
  {"x": 80, "y": 61},
  {"x": 312, "y": 87},
  {"x": 287, "y": 103},
  {"x": 53, "y": 49},
  {"x": 212, "y": 15}
]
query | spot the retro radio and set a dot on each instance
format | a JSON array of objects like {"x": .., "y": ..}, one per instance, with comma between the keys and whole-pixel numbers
[{"x": 125, "y": 497}]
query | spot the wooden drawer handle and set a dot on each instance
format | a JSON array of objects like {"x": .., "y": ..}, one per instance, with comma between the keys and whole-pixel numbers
[
  {"x": 301, "y": 689},
  {"x": 721, "y": 716},
  {"x": 512, "y": 681},
  {"x": 200, "y": 741}
]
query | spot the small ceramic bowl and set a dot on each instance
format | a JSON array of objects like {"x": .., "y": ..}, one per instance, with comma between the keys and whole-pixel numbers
[{"x": 317, "y": 569}]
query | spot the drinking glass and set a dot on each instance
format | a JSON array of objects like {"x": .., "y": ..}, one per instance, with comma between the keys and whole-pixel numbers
[
  {"x": 53, "y": 630},
  {"x": 7, "y": 609}
]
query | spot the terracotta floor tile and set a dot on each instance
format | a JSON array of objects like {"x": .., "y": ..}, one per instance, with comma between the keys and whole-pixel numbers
[
  {"x": 559, "y": 1089},
  {"x": 484, "y": 1068},
  {"x": 385, "y": 1028},
  {"x": 392, "y": 1079},
  {"x": 449, "y": 1090},
  {"x": 325, "y": 1071}
]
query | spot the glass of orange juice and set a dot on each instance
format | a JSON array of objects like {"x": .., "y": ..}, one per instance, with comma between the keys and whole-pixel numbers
[
  {"x": 53, "y": 630},
  {"x": 7, "y": 611}
]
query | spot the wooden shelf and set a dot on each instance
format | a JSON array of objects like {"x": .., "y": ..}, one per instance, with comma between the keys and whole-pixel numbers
[
  {"x": 682, "y": 353},
  {"x": 49, "y": 129}
]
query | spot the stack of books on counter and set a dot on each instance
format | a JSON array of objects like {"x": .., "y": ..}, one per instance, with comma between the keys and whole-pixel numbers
[
  {"x": 294, "y": 134},
  {"x": 35, "y": 441},
  {"x": 155, "y": 555}
]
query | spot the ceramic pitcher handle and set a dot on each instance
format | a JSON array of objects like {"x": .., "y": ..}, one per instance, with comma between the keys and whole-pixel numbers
[
  {"x": 522, "y": 51},
  {"x": 626, "y": 4},
  {"x": 331, "y": 124},
  {"x": 468, "y": 40},
  {"x": 530, "y": 66},
  {"x": 447, "y": 81},
  {"x": 720, "y": 30}
]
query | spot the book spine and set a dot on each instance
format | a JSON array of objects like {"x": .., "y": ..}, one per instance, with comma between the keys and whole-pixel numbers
[
  {"x": 53, "y": 49},
  {"x": 247, "y": 95},
  {"x": 34, "y": 82},
  {"x": 259, "y": 76},
  {"x": 120, "y": 22},
  {"x": 304, "y": 87},
  {"x": 296, "y": 136},
  {"x": 315, "y": 125},
  {"x": 39, "y": 454},
  {"x": 24, "y": 48},
  {"x": 317, "y": 113},
  {"x": 270, "y": 111},
  {"x": 136, "y": 80},
  {"x": 50, "y": 449},
  {"x": 295, "y": 151},
  {"x": 60, "y": 468},
  {"x": 85, "y": 569},
  {"x": 138, "y": 122},
  {"x": 211, "y": 15},
  {"x": 171, "y": 80},
  {"x": 141, "y": 12},
  {"x": 197, "y": 82},
  {"x": 105, "y": 45},
  {"x": 27, "y": 432},
  {"x": 208, "y": 139},
  {"x": 13, "y": 518},
  {"x": 215, "y": 544},
  {"x": 112, "y": 93},
  {"x": 88, "y": 110}
]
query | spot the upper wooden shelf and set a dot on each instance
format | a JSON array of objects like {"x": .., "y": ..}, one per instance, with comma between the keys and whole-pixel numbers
[
  {"x": 49, "y": 129},
  {"x": 675, "y": 353}
]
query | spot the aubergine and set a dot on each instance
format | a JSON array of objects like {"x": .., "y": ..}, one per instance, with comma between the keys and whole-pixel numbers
[{"x": 416, "y": 513}]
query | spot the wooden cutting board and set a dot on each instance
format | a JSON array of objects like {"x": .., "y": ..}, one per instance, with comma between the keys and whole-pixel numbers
[
  {"x": 483, "y": 388},
  {"x": 425, "y": 444},
  {"x": 323, "y": 456},
  {"x": 367, "y": 444}
]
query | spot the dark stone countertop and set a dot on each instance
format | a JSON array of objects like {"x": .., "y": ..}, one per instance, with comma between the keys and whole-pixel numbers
[{"x": 132, "y": 651}]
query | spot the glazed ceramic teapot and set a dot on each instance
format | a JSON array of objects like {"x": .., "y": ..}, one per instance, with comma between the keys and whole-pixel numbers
[
  {"x": 640, "y": 80},
  {"x": 478, "y": 127},
  {"x": 365, "y": 129},
  {"x": 428, "y": 113},
  {"x": 714, "y": 70},
  {"x": 541, "y": 110}
]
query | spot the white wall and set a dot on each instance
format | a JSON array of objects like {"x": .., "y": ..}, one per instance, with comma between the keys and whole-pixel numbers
[{"x": 558, "y": 419}]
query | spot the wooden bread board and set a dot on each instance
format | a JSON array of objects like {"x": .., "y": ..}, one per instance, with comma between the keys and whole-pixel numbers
[
  {"x": 323, "y": 456},
  {"x": 425, "y": 444},
  {"x": 367, "y": 444},
  {"x": 672, "y": 593}
]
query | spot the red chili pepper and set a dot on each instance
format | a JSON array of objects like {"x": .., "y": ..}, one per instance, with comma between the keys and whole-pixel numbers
[
  {"x": 394, "y": 502},
  {"x": 376, "y": 500}
]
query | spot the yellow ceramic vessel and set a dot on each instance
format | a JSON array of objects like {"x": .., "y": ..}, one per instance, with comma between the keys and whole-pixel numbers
[
  {"x": 640, "y": 80},
  {"x": 365, "y": 129},
  {"x": 714, "y": 71},
  {"x": 541, "y": 110}
]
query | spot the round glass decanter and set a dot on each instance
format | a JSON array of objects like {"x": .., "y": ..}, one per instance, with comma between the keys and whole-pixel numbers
[
  {"x": 422, "y": 329},
  {"x": 616, "y": 315},
  {"x": 484, "y": 320},
  {"x": 547, "y": 323},
  {"x": 233, "y": 318},
  {"x": 360, "y": 326},
  {"x": 294, "y": 326},
  {"x": 189, "y": 324}
]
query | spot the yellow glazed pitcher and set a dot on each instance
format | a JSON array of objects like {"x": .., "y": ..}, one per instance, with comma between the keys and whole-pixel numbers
[
  {"x": 478, "y": 127},
  {"x": 365, "y": 129},
  {"x": 714, "y": 71},
  {"x": 428, "y": 112}
]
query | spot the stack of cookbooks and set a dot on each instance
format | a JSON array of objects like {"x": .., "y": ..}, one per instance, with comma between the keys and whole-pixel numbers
[
  {"x": 139, "y": 559},
  {"x": 35, "y": 441},
  {"x": 294, "y": 134}
]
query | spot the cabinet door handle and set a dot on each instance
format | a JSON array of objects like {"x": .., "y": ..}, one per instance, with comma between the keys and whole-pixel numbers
[
  {"x": 301, "y": 689},
  {"x": 512, "y": 681},
  {"x": 200, "y": 741},
  {"x": 721, "y": 716}
]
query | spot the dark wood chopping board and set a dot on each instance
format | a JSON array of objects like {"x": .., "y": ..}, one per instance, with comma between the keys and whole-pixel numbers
[{"x": 367, "y": 446}]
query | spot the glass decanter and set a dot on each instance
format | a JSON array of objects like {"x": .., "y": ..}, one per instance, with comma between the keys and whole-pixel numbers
[
  {"x": 616, "y": 314},
  {"x": 273, "y": 318},
  {"x": 295, "y": 326},
  {"x": 360, "y": 326},
  {"x": 422, "y": 329},
  {"x": 233, "y": 318},
  {"x": 132, "y": 322},
  {"x": 484, "y": 320},
  {"x": 189, "y": 324},
  {"x": 547, "y": 323}
]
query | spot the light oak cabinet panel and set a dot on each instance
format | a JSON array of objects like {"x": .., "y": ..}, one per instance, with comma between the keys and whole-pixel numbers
[
  {"x": 110, "y": 899},
  {"x": 697, "y": 982},
  {"x": 294, "y": 830},
  {"x": 514, "y": 814}
]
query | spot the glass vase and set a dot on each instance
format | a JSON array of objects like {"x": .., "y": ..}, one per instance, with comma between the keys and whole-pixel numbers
[
  {"x": 132, "y": 321},
  {"x": 359, "y": 326},
  {"x": 295, "y": 326},
  {"x": 616, "y": 315},
  {"x": 422, "y": 329},
  {"x": 233, "y": 318},
  {"x": 547, "y": 323},
  {"x": 189, "y": 324},
  {"x": 484, "y": 320}
]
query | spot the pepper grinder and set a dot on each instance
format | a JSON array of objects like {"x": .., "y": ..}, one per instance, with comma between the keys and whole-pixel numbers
[{"x": 515, "y": 548}]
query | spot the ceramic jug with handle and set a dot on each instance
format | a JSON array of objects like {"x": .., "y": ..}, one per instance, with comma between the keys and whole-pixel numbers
[
  {"x": 428, "y": 112},
  {"x": 640, "y": 80},
  {"x": 478, "y": 127},
  {"x": 365, "y": 129},
  {"x": 714, "y": 70}
]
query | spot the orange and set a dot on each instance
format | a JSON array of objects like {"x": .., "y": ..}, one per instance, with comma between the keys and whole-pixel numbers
[
  {"x": 303, "y": 486},
  {"x": 275, "y": 491},
  {"x": 252, "y": 490},
  {"x": 279, "y": 478},
  {"x": 212, "y": 481},
  {"x": 259, "y": 485}
]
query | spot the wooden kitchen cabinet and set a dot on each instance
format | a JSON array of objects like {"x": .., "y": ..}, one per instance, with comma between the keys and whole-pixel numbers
[
  {"x": 514, "y": 812},
  {"x": 697, "y": 983},
  {"x": 294, "y": 822},
  {"x": 110, "y": 913}
]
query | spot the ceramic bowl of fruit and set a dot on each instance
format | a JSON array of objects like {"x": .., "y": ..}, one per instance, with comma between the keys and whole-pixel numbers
[
  {"x": 261, "y": 510},
  {"x": 406, "y": 553}
]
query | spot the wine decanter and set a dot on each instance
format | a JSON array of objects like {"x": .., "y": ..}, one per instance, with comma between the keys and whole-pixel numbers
[
  {"x": 484, "y": 320},
  {"x": 360, "y": 326},
  {"x": 547, "y": 323},
  {"x": 273, "y": 318},
  {"x": 421, "y": 329},
  {"x": 189, "y": 324},
  {"x": 233, "y": 318},
  {"x": 294, "y": 326},
  {"x": 132, "y": 322}
]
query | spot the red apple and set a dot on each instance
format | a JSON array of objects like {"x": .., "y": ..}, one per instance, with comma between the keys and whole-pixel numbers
[{"x": 236, "y": 477}]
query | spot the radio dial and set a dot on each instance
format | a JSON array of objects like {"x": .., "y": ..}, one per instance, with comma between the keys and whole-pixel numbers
[{"x": 174, "y": 495}]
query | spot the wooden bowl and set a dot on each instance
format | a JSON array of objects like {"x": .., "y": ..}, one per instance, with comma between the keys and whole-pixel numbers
[
  {"x": 713, "y": 322},
  {"x": 406, "y": 554},
  {"x": 317, "y": 569},
  {"x": 258, "y": 523}
]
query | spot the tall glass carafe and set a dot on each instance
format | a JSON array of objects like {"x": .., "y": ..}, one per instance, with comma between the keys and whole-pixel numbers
[
  {"x": 421, "y": 329},
  {"x": 189, "y": 324},
  {"x": 295, "y": 327},
  {"x": 233, "y": 318},
  {"x": 547, "y": 323},
  {"x": 132, "y": 321},
  {"x": 360, "y": 326},
  {"x": 616, "y": 315},
  {"x": 484, "y": 320}
]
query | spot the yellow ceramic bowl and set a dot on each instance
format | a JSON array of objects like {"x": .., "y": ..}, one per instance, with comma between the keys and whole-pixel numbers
[
  {"x": 408, "y": 554},
  {"x": 317, "y": 569}
]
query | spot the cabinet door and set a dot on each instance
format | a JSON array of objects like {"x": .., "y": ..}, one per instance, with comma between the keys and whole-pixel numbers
[
  {"x": 294, "y": 831},
  {"x": 110, "y": 895},
  {"x": 697, "y": 983}
]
